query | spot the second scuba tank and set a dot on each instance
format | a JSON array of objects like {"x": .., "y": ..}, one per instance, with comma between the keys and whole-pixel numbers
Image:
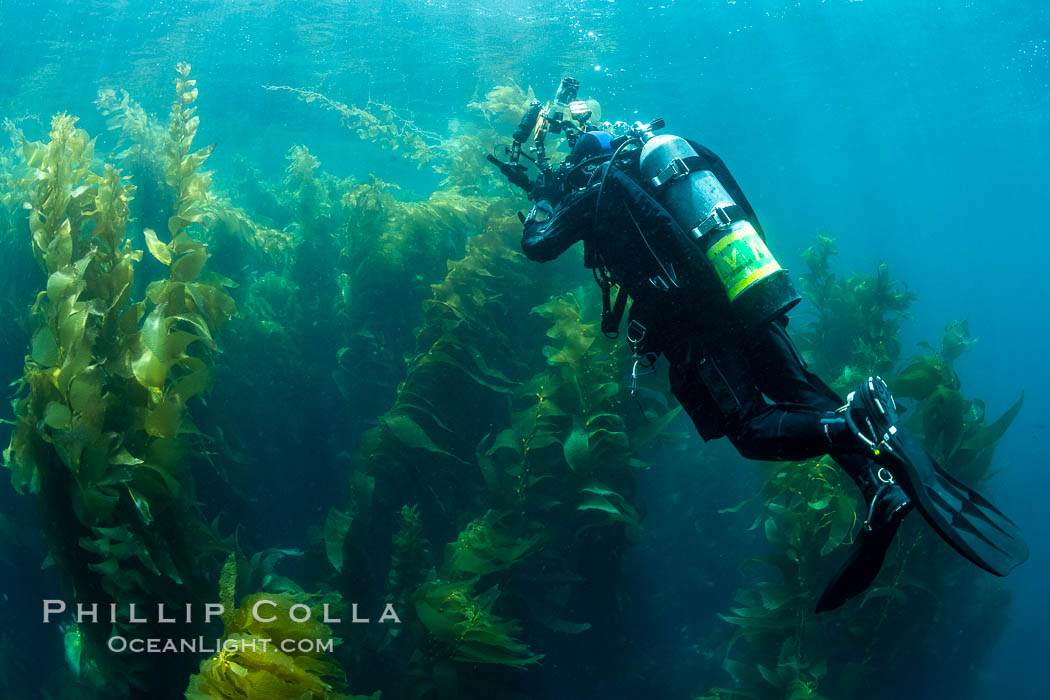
[{"x": 759, "y": 289}]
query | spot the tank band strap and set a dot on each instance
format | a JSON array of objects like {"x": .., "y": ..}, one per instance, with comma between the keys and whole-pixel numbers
[
  {"x": 678, "y": 168},
  {"x": 719, "y": 216}
]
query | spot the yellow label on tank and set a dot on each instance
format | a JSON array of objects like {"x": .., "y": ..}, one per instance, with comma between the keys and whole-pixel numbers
[{"x": 741, "y": 258}]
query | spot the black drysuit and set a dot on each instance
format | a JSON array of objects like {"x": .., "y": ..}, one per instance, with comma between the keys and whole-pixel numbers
[{"x": 749, "y": 385}]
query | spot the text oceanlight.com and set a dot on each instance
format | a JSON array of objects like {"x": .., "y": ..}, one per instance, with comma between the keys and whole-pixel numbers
[{"x": 121, "y": 645}]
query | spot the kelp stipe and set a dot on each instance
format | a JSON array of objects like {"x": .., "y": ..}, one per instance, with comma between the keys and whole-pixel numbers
[{"x": 376, "y": 122}]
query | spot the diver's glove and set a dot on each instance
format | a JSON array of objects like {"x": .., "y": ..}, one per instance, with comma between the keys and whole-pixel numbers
[{"x": 540, "y": 214}]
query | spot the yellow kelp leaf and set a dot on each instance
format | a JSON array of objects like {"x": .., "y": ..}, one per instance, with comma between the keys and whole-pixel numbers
[
  {"x": 59, "y": 250},
  {"x": 63, "y": 283},
  {"x": 94, "y": 467},
  {"x": 157, "y": 291},
  {"x": 157, "y": 249},
  {"x": 33, "y": 152},
  {"x": 149, "y": 370},
  {"x": 250, "y": 672},
  {"x": 197, "y": 380},
  {"x": 44, "y": 349},
  {"x": 129, "y": 321},
  {"x": 85, "y": 391},
  {"x": 147, "y": 473},
  {"x": 199, "y": 324},
  {"x": 982, "y": 436},
  {"x": 168, "y": 347},
  {"x": 194, "y": 160},
  {"x": 95, "y": 504},
  {"x": 124, "y": 458},
  {"x": 71, "y": 325},
  {"x": 87, "y": 429},
  {"x": 184, "y": 242},
  {"x": 78, "y": 358},
  {"x": 191, "y": 127},
  {"x": 57, "y": 416},
  {"x": 186, "y": 268},
  {"x": 163, "y": 420},
  {"x": 282, "y": 626},
  {"x": 177, "y": 223},
  {"x": 212, "y": 301}
]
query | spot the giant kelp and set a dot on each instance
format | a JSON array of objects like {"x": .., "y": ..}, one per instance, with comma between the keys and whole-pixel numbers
[
  {"x": 100, "y": 433},
  {"x": 276, "y": 650},
  {"x": 556, "y": 480},
  {"x": 856, "y": 318}
]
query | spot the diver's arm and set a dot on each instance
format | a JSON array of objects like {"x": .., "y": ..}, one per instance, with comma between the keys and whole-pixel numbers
[
  {"x": 729, "y": 182},
  {"x": 544, "y": 240}
]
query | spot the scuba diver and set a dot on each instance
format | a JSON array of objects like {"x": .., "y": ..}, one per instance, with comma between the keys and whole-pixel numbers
[{"x": 662, "y": 218}]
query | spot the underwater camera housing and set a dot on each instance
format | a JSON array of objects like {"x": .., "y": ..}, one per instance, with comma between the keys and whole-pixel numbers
[
  {"x": 568, "y": 89},
  {"x": 557, "y": 116}
]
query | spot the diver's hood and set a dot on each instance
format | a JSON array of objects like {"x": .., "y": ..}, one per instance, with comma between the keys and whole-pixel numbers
[{"x": 591, "y": 144}]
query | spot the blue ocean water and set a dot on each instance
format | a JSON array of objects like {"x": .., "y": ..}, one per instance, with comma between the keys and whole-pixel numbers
[{"x": 916, "y": 133}]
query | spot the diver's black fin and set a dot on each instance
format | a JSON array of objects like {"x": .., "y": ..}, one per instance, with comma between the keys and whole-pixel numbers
[
  {"x": 859, "y": 570},
  {"x": 887, "y": 507},
  {"x": 964, "y": 518}
]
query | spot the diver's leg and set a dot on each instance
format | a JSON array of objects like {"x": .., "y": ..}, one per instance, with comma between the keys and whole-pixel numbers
[
  {"x": 783, "y": 432},
  {"x": 804, "y": 419},
  {"x": 806, "y": 405},
  {"x": 721, "y": 396},
  {"x": 793, "y": 423},
  {"x": 781, "y": 373}
]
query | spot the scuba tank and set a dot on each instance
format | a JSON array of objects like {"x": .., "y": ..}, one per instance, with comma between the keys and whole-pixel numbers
[{"x": 759, "y": 289}]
